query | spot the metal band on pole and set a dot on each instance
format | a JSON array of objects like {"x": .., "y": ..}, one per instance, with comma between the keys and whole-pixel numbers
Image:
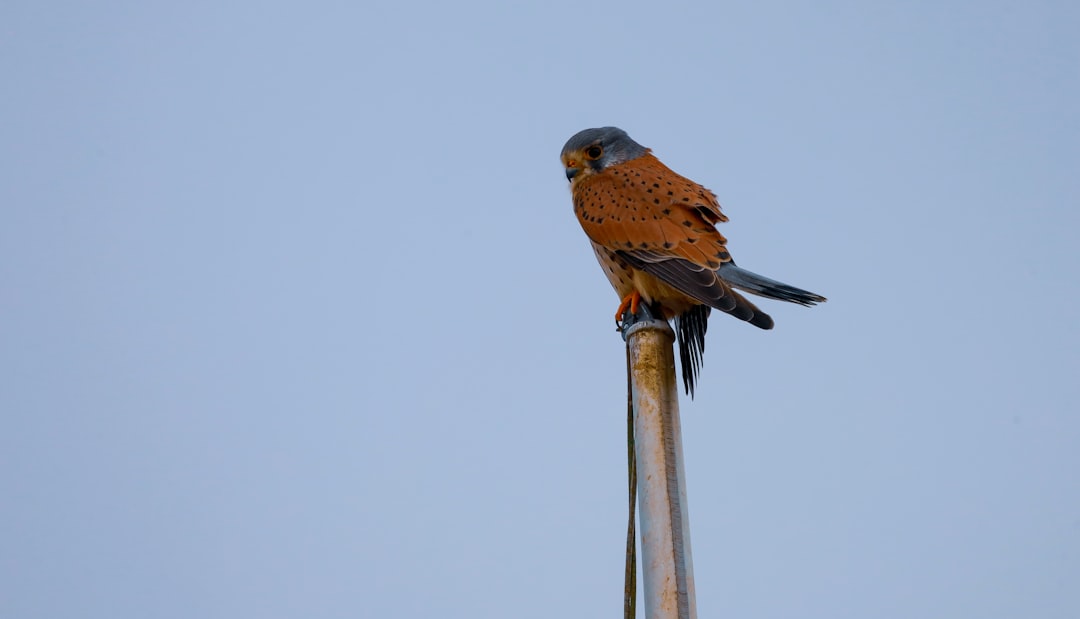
[{"x": 667, "y": 568}]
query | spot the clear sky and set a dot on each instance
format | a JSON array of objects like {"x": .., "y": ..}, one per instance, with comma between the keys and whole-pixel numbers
[{"x": 296, "y": 320}]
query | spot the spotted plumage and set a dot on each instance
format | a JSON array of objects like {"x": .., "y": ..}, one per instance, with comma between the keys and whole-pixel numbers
[{"x": 654, "y": 233}]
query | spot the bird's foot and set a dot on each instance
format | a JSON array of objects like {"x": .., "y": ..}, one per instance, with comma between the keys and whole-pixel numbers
[
  {"x": 643, "y": 315},
  {"x": 632, "y": 302}
]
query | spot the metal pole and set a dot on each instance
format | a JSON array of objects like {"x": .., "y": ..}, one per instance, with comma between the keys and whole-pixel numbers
[{"x": 667, "y": 568}]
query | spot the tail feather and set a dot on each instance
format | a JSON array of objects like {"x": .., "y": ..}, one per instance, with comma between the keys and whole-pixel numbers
[
  {"x": 763, "y": 286},
  {"x": 690, "y": 328}
]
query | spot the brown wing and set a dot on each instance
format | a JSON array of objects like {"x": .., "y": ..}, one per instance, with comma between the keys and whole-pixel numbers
[{"x": 661, "y": 223}]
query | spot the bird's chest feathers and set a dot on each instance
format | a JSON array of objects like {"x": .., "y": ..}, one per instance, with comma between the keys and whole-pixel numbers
[{"x": 606, "y": 198}]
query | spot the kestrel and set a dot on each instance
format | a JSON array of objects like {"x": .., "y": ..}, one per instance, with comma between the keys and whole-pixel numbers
[{"x": 654, "y": 233}]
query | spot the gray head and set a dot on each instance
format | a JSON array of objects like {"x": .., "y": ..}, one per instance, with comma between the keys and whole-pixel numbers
[{"x": 592, "y": 150}]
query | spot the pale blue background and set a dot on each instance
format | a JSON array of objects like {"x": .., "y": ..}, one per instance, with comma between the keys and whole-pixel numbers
[{"x": 296, "y": 321}]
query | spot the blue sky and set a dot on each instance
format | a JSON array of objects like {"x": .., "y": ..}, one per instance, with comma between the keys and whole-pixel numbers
[{"x": 298, "y": 322}]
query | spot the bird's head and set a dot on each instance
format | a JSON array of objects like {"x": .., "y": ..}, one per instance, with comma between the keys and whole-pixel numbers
[{"x": 592, "y": 150}]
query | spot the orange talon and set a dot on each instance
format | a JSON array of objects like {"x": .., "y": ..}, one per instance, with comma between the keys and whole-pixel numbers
[{"x": 633, "y": 301}]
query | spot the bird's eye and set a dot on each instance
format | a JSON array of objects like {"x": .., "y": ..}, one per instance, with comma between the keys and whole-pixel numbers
[{"x": 594, "y": 152}]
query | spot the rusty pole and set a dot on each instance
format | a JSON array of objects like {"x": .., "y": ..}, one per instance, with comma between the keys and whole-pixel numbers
[{"x": 667, "y": 568}]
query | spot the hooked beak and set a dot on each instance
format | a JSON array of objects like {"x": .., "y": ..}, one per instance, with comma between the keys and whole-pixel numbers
[{"x": 571, "y": 173}]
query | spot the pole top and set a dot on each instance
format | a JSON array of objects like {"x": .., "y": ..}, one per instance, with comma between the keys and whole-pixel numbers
[{"x": 644, "y": 319}]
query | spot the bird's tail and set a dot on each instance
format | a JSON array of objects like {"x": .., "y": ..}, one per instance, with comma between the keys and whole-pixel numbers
[
  {"x": 760, "y": 285},
  {"x": 690, "y": 328}
]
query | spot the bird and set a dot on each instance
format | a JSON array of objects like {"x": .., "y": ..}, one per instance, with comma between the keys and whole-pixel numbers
[{"x": 654, "y": 234}]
